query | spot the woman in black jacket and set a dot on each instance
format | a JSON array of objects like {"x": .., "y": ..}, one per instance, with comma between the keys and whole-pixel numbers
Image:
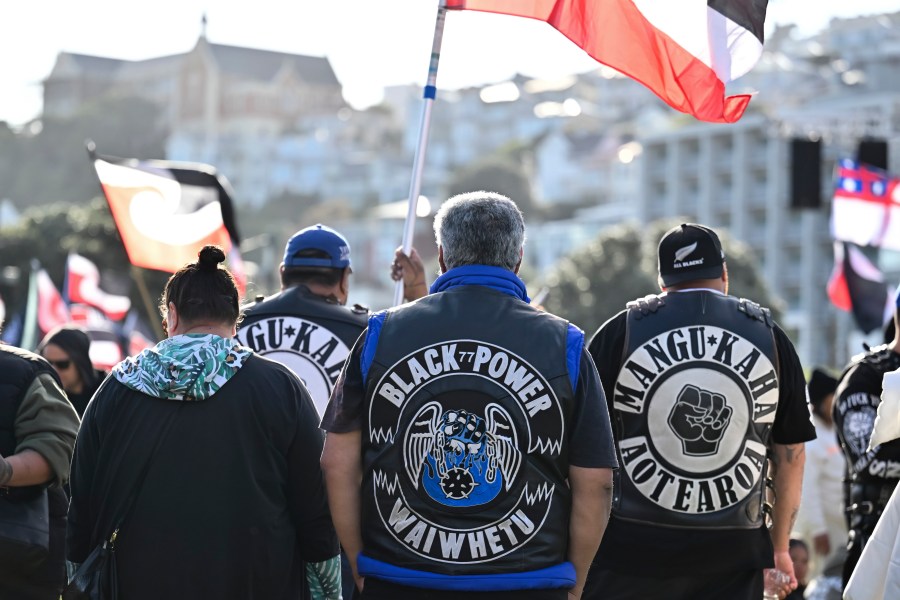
[{"x": 221, "y": 447}]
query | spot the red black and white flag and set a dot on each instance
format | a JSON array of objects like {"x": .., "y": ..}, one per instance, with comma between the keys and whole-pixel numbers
[
  {"x": 82, "y": 286},
  {"x": 44, "y": 309},
  {"x": 167, "y": 211},
  {"x": 685, "y": 51},
  {"x": 52, "y": 310},
  {"x": 858, "y": 286},
  {"x": 106, "y": 343},
  {"x": 866, "y": 206}
]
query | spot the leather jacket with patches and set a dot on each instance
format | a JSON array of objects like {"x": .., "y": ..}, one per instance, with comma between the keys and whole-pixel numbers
[{"x": 694, "y": 404}]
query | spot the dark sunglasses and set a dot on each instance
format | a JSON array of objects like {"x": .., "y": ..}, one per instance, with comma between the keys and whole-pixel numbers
[{"x": 62, "y": 365}]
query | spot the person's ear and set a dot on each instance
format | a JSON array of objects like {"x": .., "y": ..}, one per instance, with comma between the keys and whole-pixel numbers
[
  {"x": 344, "y": 285},
  {"x": 441, "y": 259},
  {"x": 171, "y": 320}
]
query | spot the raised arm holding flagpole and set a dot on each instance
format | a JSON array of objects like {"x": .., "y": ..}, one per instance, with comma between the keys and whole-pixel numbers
[{"x": 415, "y": 184}]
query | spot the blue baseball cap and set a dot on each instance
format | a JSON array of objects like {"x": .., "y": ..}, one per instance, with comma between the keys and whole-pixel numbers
[{"x": 317, "y": 237}]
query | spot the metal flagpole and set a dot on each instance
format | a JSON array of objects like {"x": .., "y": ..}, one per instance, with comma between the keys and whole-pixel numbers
[{"x": 415, "y": 184}]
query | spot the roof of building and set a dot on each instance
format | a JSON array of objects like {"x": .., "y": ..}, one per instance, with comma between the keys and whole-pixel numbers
[
  {"x": 247, "y": 63},
  {"x": 251, "y": 63},
  {"x": 100, "y": 65}
]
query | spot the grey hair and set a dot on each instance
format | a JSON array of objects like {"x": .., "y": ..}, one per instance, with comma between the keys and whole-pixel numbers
[{"x": 480, "y": 228}]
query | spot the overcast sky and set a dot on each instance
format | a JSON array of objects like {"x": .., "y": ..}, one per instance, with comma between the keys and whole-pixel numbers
[{"x": 370, "y": 44}]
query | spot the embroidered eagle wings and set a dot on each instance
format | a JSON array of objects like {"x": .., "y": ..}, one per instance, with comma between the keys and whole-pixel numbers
[{"x": 434, "y": 432}]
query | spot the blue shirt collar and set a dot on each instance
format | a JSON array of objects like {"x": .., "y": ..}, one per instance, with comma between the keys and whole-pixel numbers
[{"x": 496, "y": 278}]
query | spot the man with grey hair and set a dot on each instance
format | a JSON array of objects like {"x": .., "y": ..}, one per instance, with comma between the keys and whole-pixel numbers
[{"x": 469, "y": 448}]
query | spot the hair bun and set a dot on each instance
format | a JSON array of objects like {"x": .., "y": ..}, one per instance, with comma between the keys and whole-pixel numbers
[{"x": 210, "y": 257}]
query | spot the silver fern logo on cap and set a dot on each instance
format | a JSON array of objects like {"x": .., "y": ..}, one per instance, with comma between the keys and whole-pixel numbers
[{"x": 683, "y": 253}]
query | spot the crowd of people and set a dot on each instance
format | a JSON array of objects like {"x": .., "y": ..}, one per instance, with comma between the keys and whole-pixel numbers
[{"x": 463, "y": 444}]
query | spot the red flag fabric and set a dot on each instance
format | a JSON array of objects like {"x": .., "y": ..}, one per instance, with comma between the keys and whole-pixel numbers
[
  {"x": 238, "y": 269},
  {"x": 51, "y": 309},
  {"x": 137, "y": 341},
  {"x": 857, "y": 286},
  {"x": 685, "y": 52},
  {"x": 165, "y": 211},
  {"x": 83, "y": 287},
  {"x": 106, "y": 346},
  {"x": 137, "y": 334},
  {"x": 866, "y": 207}
]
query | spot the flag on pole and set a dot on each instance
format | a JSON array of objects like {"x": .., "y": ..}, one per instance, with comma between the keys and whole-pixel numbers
[
  {"x": 866, "y": 206},
  {"x": 82, "y": 286},
  {"x": 51, "y": 309},
  {"x": 857, "y": 286},
  {"x": 684, "y": 52},
  {"x": 136, "y": 334},
  {"x": 167, "y": 211},
  {"x": 106, "y": 345},
  {"x": 44, "y": 309}
]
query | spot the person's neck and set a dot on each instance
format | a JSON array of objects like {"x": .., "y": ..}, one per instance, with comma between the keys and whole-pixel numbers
[
  {"x": 328, "y": 292},
  {"x": 206, "y": 329}
]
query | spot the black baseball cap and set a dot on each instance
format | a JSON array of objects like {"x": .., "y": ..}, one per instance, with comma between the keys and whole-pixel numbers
[
  {"x": 820, "y": 385},
  {"x": 689, "y": 252}
]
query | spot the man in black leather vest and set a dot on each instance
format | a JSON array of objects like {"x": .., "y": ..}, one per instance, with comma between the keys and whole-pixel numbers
[
  {"x": 307, "y": 326},
  {"x": 468, "y": 451},
  {"x": 872, "y": 474},
  {"x": 703, "y": 389},
  {"x": 37, "y": 435}
]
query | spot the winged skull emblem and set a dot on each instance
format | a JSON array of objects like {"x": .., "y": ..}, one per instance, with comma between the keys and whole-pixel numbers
[{"x": 460, "y": 451}]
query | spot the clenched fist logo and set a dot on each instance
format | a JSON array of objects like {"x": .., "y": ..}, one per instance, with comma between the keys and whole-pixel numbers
[
  {"x": 463, "y": 432},
  {"x": 699, "y": 419}
]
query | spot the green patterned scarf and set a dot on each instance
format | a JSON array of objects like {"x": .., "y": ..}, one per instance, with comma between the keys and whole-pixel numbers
[{"x": 184, "y": 367}]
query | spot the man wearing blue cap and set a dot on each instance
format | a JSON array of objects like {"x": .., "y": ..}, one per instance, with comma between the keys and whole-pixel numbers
[
  {"x": 307, "y": 326},
  {"x": 872, "y": 474}
]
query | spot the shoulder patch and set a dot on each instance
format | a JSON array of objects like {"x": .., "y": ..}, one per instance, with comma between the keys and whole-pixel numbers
[
  {"x": 881, "y": 358},
  {"x": 756, "y": 312},
  {"x": 647, "y": 305}
]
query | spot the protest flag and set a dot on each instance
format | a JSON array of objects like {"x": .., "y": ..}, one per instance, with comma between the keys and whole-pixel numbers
[
  {"x": 82, "y": 286},
  {"x": 866, "y": 206},
  {"x": 166, "y": 211},
  {"x": 44, "y": 309},
  {"x": 684, "y": 52},
  {"x": 136, "y": 335},
  {"x": 857, "y": 286},
  {"x": 106, "y": 345}
]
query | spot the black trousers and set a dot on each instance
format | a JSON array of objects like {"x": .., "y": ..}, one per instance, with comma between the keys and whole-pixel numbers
[
  {"x": 612, "y": 585},
  {"x": 376, "y": 589}
]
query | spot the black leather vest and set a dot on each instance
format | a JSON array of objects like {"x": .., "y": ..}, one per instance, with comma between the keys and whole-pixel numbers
[
  {"x": 465, "y": 456},
  {"x": 306, "y": 333},
  {"x": 18, "y": 368},
  {"x": 855, "y": 409},
  {"x": 694, "y": 403}
]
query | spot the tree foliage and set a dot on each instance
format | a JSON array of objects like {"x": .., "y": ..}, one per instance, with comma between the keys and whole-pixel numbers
[
  {"x": 49, "y": 233},
  {"x": 495, "y": 174},
  {"x": 595, "y": 282},
  {"x": 47, "y": 161}
]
